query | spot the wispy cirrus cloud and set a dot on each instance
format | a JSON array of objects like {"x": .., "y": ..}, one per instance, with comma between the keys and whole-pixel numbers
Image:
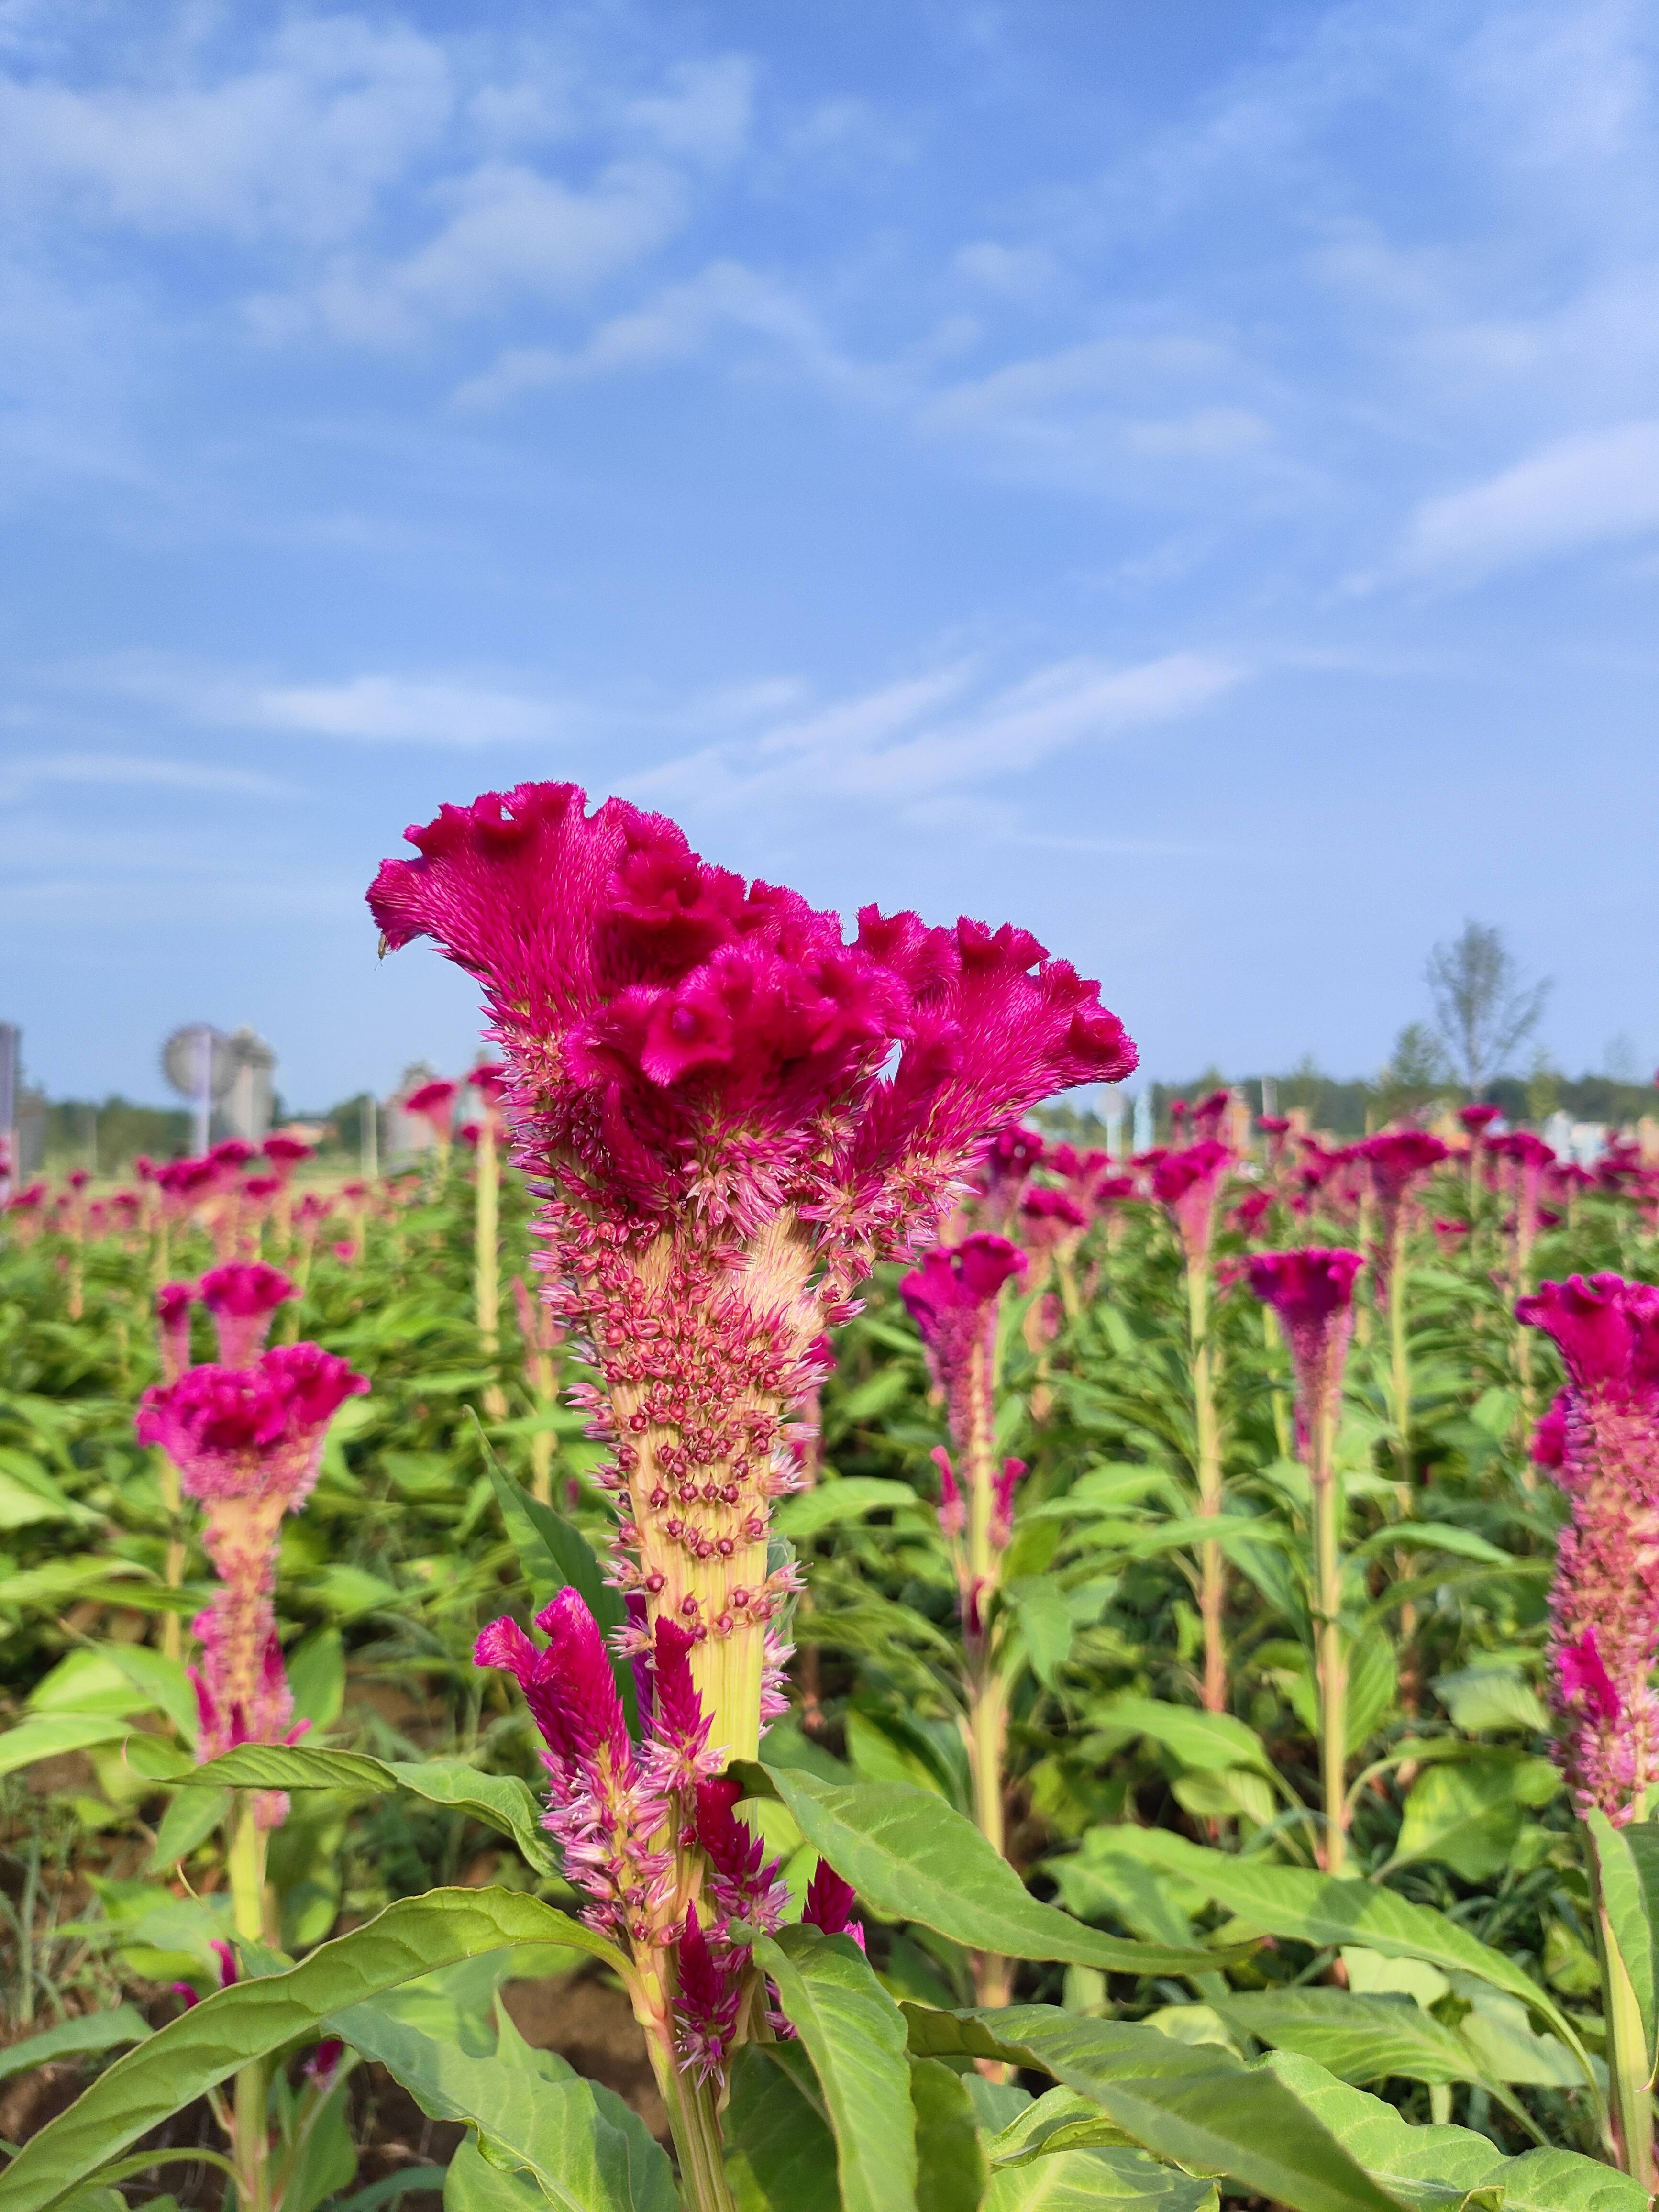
[{"x": 1599, "y": 489}]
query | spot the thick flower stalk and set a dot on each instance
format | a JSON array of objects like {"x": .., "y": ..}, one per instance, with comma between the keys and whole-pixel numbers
[
  {"x": 247, "y": 1443},
  {"x": 1600, "y": 1442},
  {"x": 433, "y": 1103},
  {"x": 955, "y": 1299},
  {"x": 729, "y": 1112},
  {"x": 489, "y": 1080},
  {"x": 1311, "y": 1292},
  {"x": 1188, "y": 1184}
]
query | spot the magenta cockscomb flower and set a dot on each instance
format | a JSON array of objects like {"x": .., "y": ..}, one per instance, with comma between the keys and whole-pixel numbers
[
  {"x": 1600, "y": 1441},
  {"x": 1186, "y": 1183},
  {"x": 829, "y": 1902},
  {"x": 173, "y": 1303},
  {"x": 731, "y": 1112},
  {"x": 1311, "y": 1290},
  {"x": 285, "y": 1152},
  {"x": 1397, "y": 1160},
  {"x": 1478, "y": 1118},
  {"x": 1210, "y": 1116},
  {"x": 243, "y": 1297},
  {"x": 435, "y": 1104},
  {"x": 953, "y": 1298},
  {"x": 1014, "y": 1155},
  {"x": 1051, "y": 1221},
  {"x": 247, "y": 1443},
  {"x": 1529, "y": 1158}
]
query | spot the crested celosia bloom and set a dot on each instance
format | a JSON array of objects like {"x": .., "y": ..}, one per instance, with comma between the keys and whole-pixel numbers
[
  {"x": 1529, "y": 1157},
  {"x": 1051, "y": 1221},
  {"x": 435, "y": 1104},
  {"x": 243, "y": 1297},
  {"x": 285, "y": 1152},
  {"x": 1397, "y": 1160},
  {"x": 1209, "y": 1117},
  {"x": 1478, "y": 1118},
  {"x": 1186, "y": 1183},
  {"x": 173, "y": 1303},
  {"x": 1010, "y": 1160},
  {"x": 1311, "y": 1290},
  {"x": 247, "y": 1443},
  {"x": 731, "y": 1112},
  {"x": 1600, "y": 1442}
]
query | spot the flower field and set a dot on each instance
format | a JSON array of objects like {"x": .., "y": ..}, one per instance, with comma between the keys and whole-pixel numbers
[{"x": 760, "y": 1629}]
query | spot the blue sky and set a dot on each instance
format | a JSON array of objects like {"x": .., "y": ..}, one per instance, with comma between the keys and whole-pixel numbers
[{"x": 1185, "y": 478}]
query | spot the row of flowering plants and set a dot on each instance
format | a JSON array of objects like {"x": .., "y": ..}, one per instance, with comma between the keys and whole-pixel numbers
[{"x": 1153, "y": 1503}]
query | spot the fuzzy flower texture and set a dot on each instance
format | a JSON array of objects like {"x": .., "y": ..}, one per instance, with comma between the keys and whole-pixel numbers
[
  {"x": 247, "y": 1441},
  {"x": 728, "y": 1111},
  {"x": 1600, "y": 1442}
]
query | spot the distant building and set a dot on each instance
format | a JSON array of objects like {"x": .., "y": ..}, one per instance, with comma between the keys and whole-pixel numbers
[
  {"x": 406, "y": 1136},
  {"x": 246, "y": 1110}
]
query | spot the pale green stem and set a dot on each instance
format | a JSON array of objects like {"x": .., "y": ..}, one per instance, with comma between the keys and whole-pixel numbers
[
  {"x": 696, "y": 2131},
  {"x": 251, "y": 2144},
  {"x": 486, "y": 1264},
  {"x": 1211, "y": 1566},
  {"x": 1332, "y": 1655}
]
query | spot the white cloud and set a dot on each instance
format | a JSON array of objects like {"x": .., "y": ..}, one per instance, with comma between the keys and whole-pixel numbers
[
  {"x": 910, "y": 744},
  {"x": 1019, "y": 273},
  {"x": 116, "y": 771},
  {"x": 705, "y": 111},
  {"x": 678, "y": 322},
  {"x": 512, "y": 233},
  {"x": 373, "y": 707},
  {"x": 1579, "y": 492},
  {"x": 299, "y": 144}
]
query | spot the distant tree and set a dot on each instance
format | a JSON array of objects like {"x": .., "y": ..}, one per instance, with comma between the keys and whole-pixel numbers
[
  {"x": 1483, "y": 1007},
  {"x": 1416, "y": 1072},
  {"x": 1543, "y": 1087}
]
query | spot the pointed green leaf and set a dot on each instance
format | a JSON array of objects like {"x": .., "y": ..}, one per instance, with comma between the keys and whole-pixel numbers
[
  {"x": 473, "y": 2185},
  {"x": 912, "y": 1858},
  {"x": 1436, "y": 2169},
  {"x": 1321, "y": 1910},
  {"x": 48, "y": 1735},
  {"x": 291, "y": 1766},
  {"x": 951, "y": 2168},
  {"x": 189, "y": 1821},
  {"x": 854, "y": 2036},
  {"x": 577, "y": 2140},
  {"x": 831, "y": 1504},
  {"x": 1359, "y": 2039},
  {"x": 1208, "y": 1741},
  {"x": 1625, "y": 1901},
  {"x": 1192, "y": 2103},
  {"x": 782, "y": 2154},
  {"x": 1095, "y": 2180},
  {"x": 505, "y": 1802},
  {"x": 206, "y": 2044},
  {"x": 71, "y": 2039}
]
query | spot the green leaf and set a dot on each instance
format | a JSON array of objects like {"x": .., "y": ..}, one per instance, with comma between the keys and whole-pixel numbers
[
  {"x": 1045, "y": 1625},
  {"x": 1359, "y": 2039},
  {"x": 555, "y": 1557},
  {"x": 951, "y": 2169},
  {"x": 189, "y": 1821},
  {"x": 503, "y": 1801},
  {"x": 71, "y": 2039},
  {"x": 1430, "y": 1536},
  {"x": 206, "y": 2044},
  {"x": 832, "y": 1504},
  {"x": 1321, "y": 1910},
  {"x": 854, "y": 2035},
  {"x": 1625, "y": 1900},
  {"x": 49, "y": 1735},
  {"x": 346, "y": 1592},
  {"x": 783, "y": 2156},
  {"x": 1438, "y": 2169},
  {"x": 291, "y": 1766},
  {"x": 1191, "y": 2104},
  {"x": 1478, "y": 1698},
  {"x": 316, "y": 1674},
  {"x": 1208, "y": 1741},
  {"x": 578, "y": 2141},
  {"x": 912, "y": 1858},
  {"x": 1469, "y": 1816},
  {"x": 327, "y": 2159},
  {"x": 1090, "y": 2179},
  {"x": 473, "y": 2185}
]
